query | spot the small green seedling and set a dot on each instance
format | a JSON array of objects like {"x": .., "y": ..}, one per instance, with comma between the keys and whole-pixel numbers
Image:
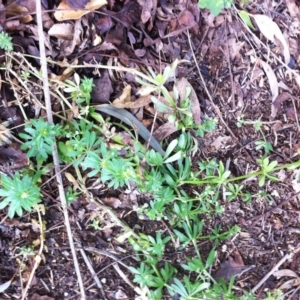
[
  {"x": 215, "y": 6},
  {"x": 39, "y": 138},
  {"x": 5, "y": 42},
  {"x": 19, "y": 194}
]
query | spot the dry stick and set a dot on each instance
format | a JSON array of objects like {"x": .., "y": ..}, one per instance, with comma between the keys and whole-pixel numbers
[
  {"x": 229, "y": 67},
  {"x": 275, "y": 268},
  {"x": 38, "y": 257},
  {"x": 55, "y": 153},
  {"x": 93, "y": 273}
]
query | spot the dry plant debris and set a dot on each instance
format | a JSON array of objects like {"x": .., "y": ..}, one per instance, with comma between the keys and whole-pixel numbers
[{"x": 177, "y": 129}]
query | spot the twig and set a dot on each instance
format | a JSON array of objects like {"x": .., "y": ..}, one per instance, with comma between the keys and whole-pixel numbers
[
  {"x": 255, "y": 218},
  {"x": 229, "y": 67},
  {"x": 275, "y": 268},
  {"x": 105, "y": 253},
  {"x": 93, "y": 273},
  {"x": 55, "y": 153},
  {"x": 38, "y": 256}
]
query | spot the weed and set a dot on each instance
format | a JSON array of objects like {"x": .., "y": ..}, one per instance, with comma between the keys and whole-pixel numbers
[
  {"x": 80, "y": 89},
  {"x": 5, "y": 42},
  {"x": 19, "y": 194},
  {"x": 215, "y": 6},
  {"x": 39, "y": 139},
  {"x": 161, "y": 174},
  {"x": 71, "y": 195}
]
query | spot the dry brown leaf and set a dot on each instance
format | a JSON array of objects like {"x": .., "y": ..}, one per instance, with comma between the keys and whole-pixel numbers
[
  {"x": 125, "y": 98},
  {"x": 181, "y": 85},
  {"x": 103, "y": 89},
  {"x": 120, "y": 295},
  {"x": 112, "y": 202},
  {"x": 18, "y": 10},
  {"x": 147, "y": 6},
  {"x": 285, "y": 273},
  {"x": 289, "y": 284},
  {"x": 231, "y": 267},
  {"x": 76, "y": 41},
  {"x": 65, "y": 12},
  {"x": 273, "y": 85},
  {"x": 62, "y": 31},
  {"x": 220, "y": 142},
  {"x": 271, "y": 31},
  {"x": 77, "y": 3},
  {"x": 164, "y": 131},
  {"x": 292, "y": 8}
]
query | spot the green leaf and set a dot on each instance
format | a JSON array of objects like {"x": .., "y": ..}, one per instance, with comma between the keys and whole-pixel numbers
[
  {"x": 129, "y": 119},
  {"x": 246, "y": 18}
]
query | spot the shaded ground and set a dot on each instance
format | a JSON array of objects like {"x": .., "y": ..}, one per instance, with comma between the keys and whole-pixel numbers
[{"x": 229, "y": 59}]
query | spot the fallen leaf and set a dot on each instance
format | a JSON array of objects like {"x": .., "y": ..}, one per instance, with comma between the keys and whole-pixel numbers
[
  {"x": 147, "y": 6},
  {"x": 231, "y": 267},
  {"x": 112, "y": 202},
  {"x": 5, "y": 286},
  {"x": 164, "y": 131},
  {"x": 103, "y": 88},
  {"x": 65, "y": 12},
  {"x": 289, "y": 284},
  {"x": 271, "y": 31},
  {"x": 120, "y": 295},
  {"x": 292, "y": 8},
  {"x": 38, "y": 297},
  {"x": 273, "y": 85},
  {"x": 220, "y": 142},
  {"x": 62, "y": 31},
  {"x": 285, "y": 273},
  {"x": 77, "y": 3},
  {"x": 125, "y": 97}
]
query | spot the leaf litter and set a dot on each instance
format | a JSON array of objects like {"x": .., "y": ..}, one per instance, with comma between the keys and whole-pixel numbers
[{"x": 135, "y": 33}]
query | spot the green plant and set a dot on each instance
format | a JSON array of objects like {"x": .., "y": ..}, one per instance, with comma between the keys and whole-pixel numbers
[
  {"x": 39, "y": 138},
  {"x": 215, "y": 6},
  {"x": 80, "y": 89},
  {"x": 5, "y": 42},
  {"x": 19, "y": 194},
  {"x": 264, "y": 144},
  {"x": 208, "y": 125},
  {"x": 71, "y": 195}
]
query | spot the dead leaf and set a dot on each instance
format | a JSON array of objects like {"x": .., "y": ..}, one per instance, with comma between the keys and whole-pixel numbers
[
  {"x": 5, "y": 135},
  {"x": 38, "y": 297},
  {"x": 125, "y": 97},
  {"x": 120, "y": 295},
  {"x": 103, "y": 89},
  {"x": 273, "y": 85},
  {"x": 112, "y": 202},
  {"x": 147, "y": 6},
  {"x": 5, "y": 286},
  {"x": 285, "y": 273},
  {"x": 292, "y": 8},
  {"x": 62, "y": 31},
  {"x": 18, "y": 10},
  {"x": 65, "y": 12},
  {"x": 271, "y": 31},
  {"x": 220, "y": 142},
  {"x": 186, "y": 18},
  {"x": 281, "y": 98},
  {"x": 289, "y": 284},
  {"x": 231, "y": 267},
  {"x": 77, "y": 3},
  {"x": 164, "y": 131}
]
